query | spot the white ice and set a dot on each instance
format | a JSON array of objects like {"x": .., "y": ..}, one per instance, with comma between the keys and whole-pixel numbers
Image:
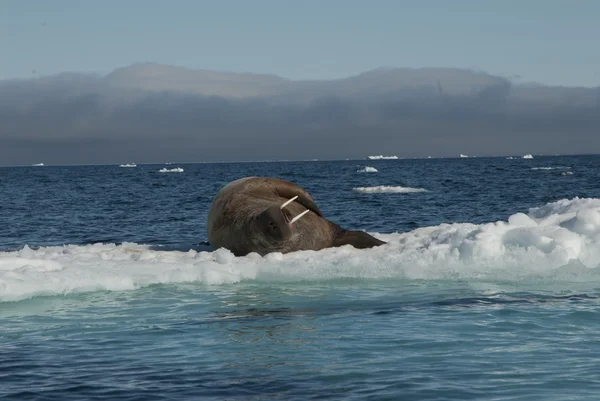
[
  {"x": 386, "y": 189},
  {"x": 559, "y": 241},
  {"x": 367, "y": 169},
  {"x": 382, "y": 157},
  {"x": 551, "y": 168},
  {"x": 171, "y": 170}
]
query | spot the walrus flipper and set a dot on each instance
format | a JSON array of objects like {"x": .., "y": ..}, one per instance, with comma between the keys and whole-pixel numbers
[
  {"x": 358, "y": 239},
  {"x": 302, "y": 198}
]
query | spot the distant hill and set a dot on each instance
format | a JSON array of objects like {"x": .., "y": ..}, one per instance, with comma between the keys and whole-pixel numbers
[
  {"x": 404, "y": 83},
  {"x": 157, "y": 77}
]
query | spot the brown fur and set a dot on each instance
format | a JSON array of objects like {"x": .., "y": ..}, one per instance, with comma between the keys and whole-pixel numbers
[{"x": 245, "y": 217}]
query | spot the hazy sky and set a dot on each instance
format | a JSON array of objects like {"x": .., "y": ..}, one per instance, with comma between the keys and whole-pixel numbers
[{"x": 547, "y": 41}]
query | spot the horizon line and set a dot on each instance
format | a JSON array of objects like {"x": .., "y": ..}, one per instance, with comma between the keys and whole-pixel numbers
[{"x": 400, "y": 158}]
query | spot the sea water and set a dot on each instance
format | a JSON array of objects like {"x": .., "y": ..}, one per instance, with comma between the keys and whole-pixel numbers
[{"x": 488, "y": 287}]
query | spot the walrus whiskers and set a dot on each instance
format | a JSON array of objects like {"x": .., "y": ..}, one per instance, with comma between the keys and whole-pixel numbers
[
  {"x": 288, "y": 202},
  {"x": 298, "y": 217}
]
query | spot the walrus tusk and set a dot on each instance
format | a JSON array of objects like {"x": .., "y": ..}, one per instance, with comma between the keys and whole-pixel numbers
[
  {"x": 244, "y": 218},
  {"x": 288, "y": 202},
  {"x": 298, "y": 217}
]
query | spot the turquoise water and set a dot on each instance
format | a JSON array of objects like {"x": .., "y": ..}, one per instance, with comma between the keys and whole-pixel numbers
[{"x": 106, "y": 293}]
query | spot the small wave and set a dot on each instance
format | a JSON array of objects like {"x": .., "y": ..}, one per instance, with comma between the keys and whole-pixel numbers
[
  {"x": 551, "y": 168},
  {"x": 171, "y": 170},
  {"x": 384, "y": 189},
  {"x": 367, "y": 169},
  {"x": 567, "y": 173}
]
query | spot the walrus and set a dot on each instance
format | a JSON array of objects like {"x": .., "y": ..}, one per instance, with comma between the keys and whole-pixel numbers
[{"x": 264, "y": 215}]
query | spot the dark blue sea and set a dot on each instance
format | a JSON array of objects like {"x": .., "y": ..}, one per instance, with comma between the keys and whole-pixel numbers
[{"x": 488, "y": 287}]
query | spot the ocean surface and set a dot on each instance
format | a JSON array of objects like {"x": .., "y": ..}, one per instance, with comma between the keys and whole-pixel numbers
[{"x": 488, "y": 288}]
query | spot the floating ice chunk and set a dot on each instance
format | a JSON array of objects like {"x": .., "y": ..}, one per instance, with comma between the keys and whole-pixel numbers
[
  {"x": 382, "y": 157},
  {"x": 367, "y": 169},
  {"x": 388, "y": 189},
  {"x": 171, "y": 170},
  {"x": 551, "y": 168}
]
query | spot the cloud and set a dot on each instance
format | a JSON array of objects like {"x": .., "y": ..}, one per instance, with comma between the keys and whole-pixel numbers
[{"x": 208, "y": 116}]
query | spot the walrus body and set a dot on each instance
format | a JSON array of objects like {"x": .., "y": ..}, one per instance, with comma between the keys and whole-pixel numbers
[{"x": 263, "y": 215}]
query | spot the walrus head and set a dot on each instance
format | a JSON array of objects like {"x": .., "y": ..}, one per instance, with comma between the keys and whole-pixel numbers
[{"x": 277, "y": 221}]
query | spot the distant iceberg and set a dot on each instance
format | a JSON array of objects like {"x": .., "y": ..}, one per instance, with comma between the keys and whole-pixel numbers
[
  {"x": 367, "y": 169},
  {"x": 463, "y": 156},
  {"x": 382, "y": 157},
  {"x": 128, "y": 165},
  {"x": 528, "y": 156},
  {"x": 172, "y": 170},
  {"x": 386, "y": 189},
  {"x": 38, "y": 164}
]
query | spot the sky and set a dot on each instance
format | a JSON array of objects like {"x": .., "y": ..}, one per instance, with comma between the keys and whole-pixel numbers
[
  {"x": 546, "y": 41},
  {"x": 151, "y": 110}
]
